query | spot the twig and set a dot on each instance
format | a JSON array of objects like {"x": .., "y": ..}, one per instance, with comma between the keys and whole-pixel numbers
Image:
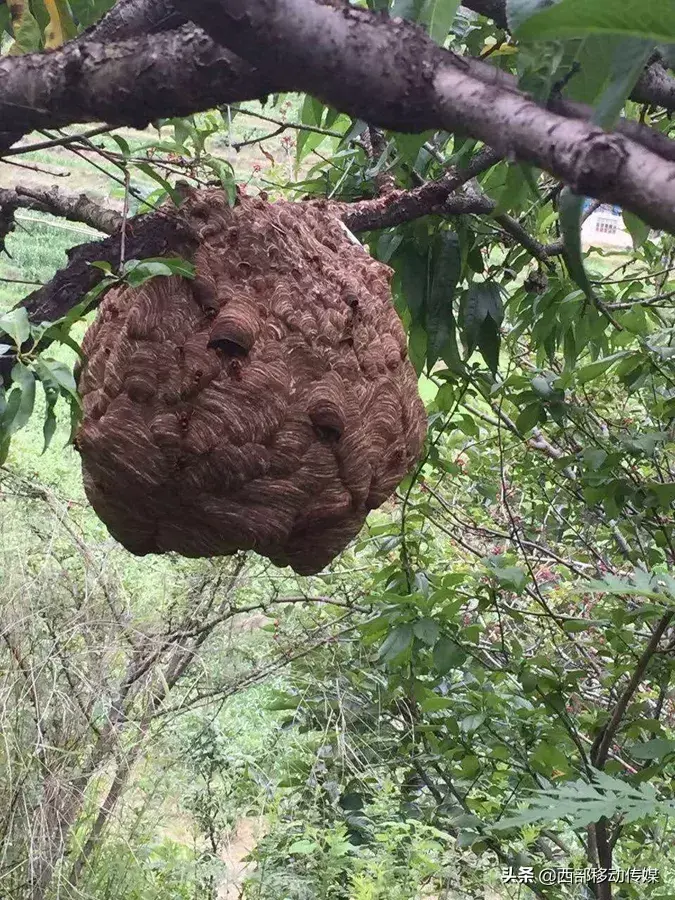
[
  {"x": 59, "y": 142},
  {"x": 603, "y": 742}
]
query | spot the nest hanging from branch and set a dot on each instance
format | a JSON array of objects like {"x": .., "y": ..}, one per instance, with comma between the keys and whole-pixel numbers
[{"x": 268, "y": 404}]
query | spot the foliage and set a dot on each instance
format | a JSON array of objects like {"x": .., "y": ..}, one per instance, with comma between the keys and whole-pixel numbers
[{"x": 485, "y": 678}]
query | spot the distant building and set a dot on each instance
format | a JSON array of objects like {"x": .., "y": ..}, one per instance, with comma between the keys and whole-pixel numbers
[{"x": 605, "y": 228}]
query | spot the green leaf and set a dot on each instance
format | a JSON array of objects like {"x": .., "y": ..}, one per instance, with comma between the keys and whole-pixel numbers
[
  {"x": 480, "y": 314},
  {"x": 103, "y": 265},
  {"x": 387, "y": 244},
  {"x": 664, "y": 492},
  {"x": 5, "y": 442},
  {"x": 549, "y": 758},
  {"x": 440, "y": 320},
  {"x": 311, "y": 114},
  {"x": 650, "y": 19},
  {"x": 175, "y": 265},
  {"x": 472, "y": 722},
  {"x": 49, "y": 426},
  {"x": 448, "y": 655},
  {"x": 20, "y": 401},
  {"x": 654, "y": 749},
  {"x": 593, "y": 61},
  {"x": 489, "y": 341},
  {"x": 5, "y": 25},
  {"x": 584, "y": 803},
  {"x": 628, "y": 63},
  {"x": 59, "y": 335},
  {"x": 283, "y": 701},
  {"x": 303, "y": 847},
  {"x": 411, "y": 268},
  {"x": 514, "y": 191},
  {"x": 593, "y": 458},
  {"x": 137, "y": 271},
  {"x": 407, "y": 9},
  {"x": 541, "y": 386},
  {"x": 427, "y": 631},
  {"x": 60, "y": 376},
  {"x": 123, "y": 145},
  {"x": 438, "y": 16},
  {"x": 475, "y": 259},
  {"x": 26, "y": 31},
  {"x": 570, "y": 209},
  {"x": 397, "y": 642},
  {"x": 595, "y": 369},
  {"x": 52, "y": 390},
  {"x": 417, "y": 347},
  {"x": 519, "y": 11},
  {"x": 225, "y": 173},
  {"x": 168, "y": 187},
  {"x": 89, "y": 11},
  {"x": 637, "y": 229},
  {"x": 511, "y": 577},
  {"x": 16, "y": 324},
  {"x": 409, "y": 145}
]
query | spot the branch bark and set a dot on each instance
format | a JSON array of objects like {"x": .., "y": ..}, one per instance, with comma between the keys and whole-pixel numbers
[
  {"x": 387, "y": 71},
  {"x": 133, "y": 18},
  {"x": 163, "y": 232},
  {"x": 130, "y": 18},
  {"x": 391, "y": 74},
  {"x": 131, "y": 82},
  {"x": 71, "y": 206},
  {"x": 153, "y": 234},
  {"x": 397, "y": 207},
  {"x": 603, "y": 742}
]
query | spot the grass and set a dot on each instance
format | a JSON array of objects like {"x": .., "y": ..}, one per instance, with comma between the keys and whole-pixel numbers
[{"x": 36, "y": 249}]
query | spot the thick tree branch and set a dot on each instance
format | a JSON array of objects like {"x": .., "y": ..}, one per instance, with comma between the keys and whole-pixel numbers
[
  {"x": 134, "y": 18},
  {"x": 130, "y": 18},
  {"x": 169, "y": 232},
  {"x": 656, "y": 87},
  {"x": 391, "y": 74},
  {"x": 153, "y": 234},
  {"x": 75, "y": 207},
  {"x": 397, "y": 207},
  {"x": 387, "y": 71},
  {"x": 128, "y": 83}
]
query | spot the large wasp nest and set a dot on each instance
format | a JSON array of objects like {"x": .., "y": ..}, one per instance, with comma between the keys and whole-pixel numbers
[{"x": 268, "y": 404}]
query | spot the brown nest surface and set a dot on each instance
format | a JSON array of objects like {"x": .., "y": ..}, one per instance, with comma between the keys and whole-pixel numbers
[{"x": 266, "y": 405}]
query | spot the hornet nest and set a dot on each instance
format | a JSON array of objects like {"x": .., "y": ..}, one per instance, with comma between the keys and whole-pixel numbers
[{"x": 266, "y": 405}]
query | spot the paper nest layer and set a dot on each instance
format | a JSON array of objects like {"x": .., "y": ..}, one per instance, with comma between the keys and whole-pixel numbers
[{"x": 266, "y": 405}]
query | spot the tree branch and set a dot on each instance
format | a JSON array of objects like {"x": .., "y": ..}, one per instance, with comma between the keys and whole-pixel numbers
[
  {"x": 74, "y": 207},
  {"x": 153, "y": 234},
  {"x": 387, "y": 71},
  {"x": 656, "y": 87},
  {"x": 397, "y": 207},
  {"x": 390, "y": 73},
  {"x": 127, "y": 83},
  {"x": 131, "y": 18},
  {"x": 603, "y": 742},
  {"x": 134, "y": 18}
]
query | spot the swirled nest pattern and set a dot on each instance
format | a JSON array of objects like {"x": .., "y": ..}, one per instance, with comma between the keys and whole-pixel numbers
[{"x": 268, "y": 404}]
